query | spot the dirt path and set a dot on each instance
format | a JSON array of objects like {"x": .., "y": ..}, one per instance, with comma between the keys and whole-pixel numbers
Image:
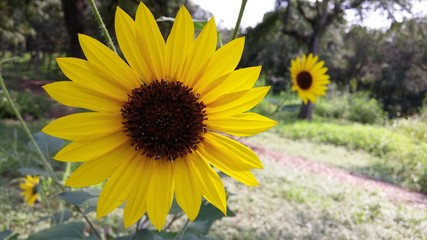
[{"x": 394, "y": 192}]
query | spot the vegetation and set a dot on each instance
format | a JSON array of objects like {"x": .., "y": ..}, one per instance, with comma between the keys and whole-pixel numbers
[{"x": 373, "y": 122}]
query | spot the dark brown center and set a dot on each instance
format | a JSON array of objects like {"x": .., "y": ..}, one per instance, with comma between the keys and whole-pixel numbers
[
  {"x": 304, "y": 80},
  {"x": 164, "y": 119}
]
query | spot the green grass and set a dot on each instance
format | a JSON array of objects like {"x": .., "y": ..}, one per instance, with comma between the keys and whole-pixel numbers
[
  {"x": 399, "y": 159},
  {"x": 14, "y": 150},
  {"x": 288, "y": 204},
  {"x": 292, "y": 204}
]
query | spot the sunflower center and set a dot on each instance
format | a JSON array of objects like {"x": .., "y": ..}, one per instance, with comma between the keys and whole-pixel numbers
[
  {"x": 304, "y": 80},
  {"x": 164, "y": 119}
]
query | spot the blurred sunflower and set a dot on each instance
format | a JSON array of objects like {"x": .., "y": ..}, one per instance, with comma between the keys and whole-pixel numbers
[
  {"x": 155, "y": 121},
  {"x": 30, "y": 189},
  {"x": 309, "y": 77}
]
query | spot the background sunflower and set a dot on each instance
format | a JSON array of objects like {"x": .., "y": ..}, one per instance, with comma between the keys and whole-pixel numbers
[
  {"x": 309, "y": 77},
  {"x": 30, "y": 189}
]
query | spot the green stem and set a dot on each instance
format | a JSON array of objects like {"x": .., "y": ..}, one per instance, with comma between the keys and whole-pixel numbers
[
  {"x": 102, "y": 25},
  {"x": 239, "y": 19},
  {"x": 36, "y": 146},
  {"x": 183, "y": 230}
]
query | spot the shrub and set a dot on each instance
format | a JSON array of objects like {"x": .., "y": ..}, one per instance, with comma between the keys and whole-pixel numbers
[
  {"x": 29, "y": 105},
  {"x": 405, "y": 161},
  {"x": 357, "y": 107}
]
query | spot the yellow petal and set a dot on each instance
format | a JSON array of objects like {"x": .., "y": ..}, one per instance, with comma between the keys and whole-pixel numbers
[
  {"x": 73, "y": 95},
  {"x": 245, "y": 177},
  {"x": 126, "y": 37},
  {"x": 109, "y": 62},
  {"x": 88, "y": 75},
  {"x": 160, "y": 192},
  {"x": 187, "y": 190},
  {"x": 234, "y": 154},
  {"x": 239, "y": 105},
  {"x": 238, "y": 80},
  {"x": 179, "y": 43},
  {"x": 96, "y": 171},
  {"x": 86, "y": 126},
  {"x": 136, "y": 205},
  {"x": 119, "y": 185},
  {"x": 244, "y": 124},
  {"x": 32, "y": 199},
  {"x": 210, "y": 183},
  {"x": 150, "y": 41},
  {"x": 85, "y": 151},
  {"x": 224, "y": 61},
  {"x": 199, "y": 54}
]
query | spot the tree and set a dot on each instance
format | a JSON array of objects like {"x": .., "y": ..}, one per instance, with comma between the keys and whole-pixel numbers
[
  {"x": 318, "y": 16},
  {"x": 75, "y": 22}
]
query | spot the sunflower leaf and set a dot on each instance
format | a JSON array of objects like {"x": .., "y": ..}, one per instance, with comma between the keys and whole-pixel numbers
[
  {"x": 62, "y": 216},
  {"x": 4, "y": 234},
  {"x": 46, "y": 143},
  {"x": 77, "y": 197},
  {"x": 69, "y": 231},
  {"x": 34, "y": 172}
]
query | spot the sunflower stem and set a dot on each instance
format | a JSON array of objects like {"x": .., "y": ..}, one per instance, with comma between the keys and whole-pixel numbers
[
  {"x": 36, "y": 146},
  {"x": 239, "y": 19},
  {"x": 102, "y": 25},
  {"x": 183, "y": 230}
]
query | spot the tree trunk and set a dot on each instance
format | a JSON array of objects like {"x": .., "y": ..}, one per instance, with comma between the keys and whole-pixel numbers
[
  {"x": 306, "y": 110},
  {"x": 75, "y": 22}
]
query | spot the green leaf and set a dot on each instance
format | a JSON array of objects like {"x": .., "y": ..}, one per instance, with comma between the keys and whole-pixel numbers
[
  {"x": 62, "y": 216},
  {"x": 34, "y": 172},
  {"x": 143, "y": 234},
  {"x": 46, "y": 143},
  {"x": 78, "y": 197},
  {"x": 210, "y": 212},
  {"x": 175, "y": 209},
  {"x": 66, "y": 231},
  {"x": 190, "y": 236},
  {"x": 199, "y": 25},
  {"x": 200, "y": 227},
  {"x": 4, "y": 234}
]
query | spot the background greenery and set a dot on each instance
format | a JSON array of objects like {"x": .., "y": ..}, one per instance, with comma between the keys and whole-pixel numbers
[{"x": 373, "y": 121}]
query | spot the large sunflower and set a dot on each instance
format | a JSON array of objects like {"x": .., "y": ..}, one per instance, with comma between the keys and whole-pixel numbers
[
  {"x": 309, "y": 77},
  {"x": 154, "y": 123},
  {"x": 30, "y": 189}
]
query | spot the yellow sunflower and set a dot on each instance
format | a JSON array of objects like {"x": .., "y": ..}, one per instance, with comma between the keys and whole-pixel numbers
[
  {"x": 30, "y": 189},
  {"x": 155, "y": 121},
  {"x": 309, "y": 77}
]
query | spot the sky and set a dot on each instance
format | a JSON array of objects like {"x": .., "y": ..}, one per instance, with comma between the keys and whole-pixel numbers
[{"x": 226, "y": 12}]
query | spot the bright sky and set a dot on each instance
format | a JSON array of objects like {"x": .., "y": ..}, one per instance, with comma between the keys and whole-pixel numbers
[{"x": 226, "y": 12}]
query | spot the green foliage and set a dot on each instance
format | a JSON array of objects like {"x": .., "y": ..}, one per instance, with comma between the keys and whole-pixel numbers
[
  {"x": 298, "y": 203},
  {"x": 30, "y": 105},
  {"x": 356, "y": 107},
  {"x": 70, "y": 231},
  {"x": 405, "y": 161}
]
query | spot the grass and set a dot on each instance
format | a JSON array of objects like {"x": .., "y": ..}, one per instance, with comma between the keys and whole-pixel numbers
[
  {"x": 293, "y": 204},
  {"x": 399, "y": 159},
  {"x": 14, "y": 150},
  {"x": 288, "y": 204}
]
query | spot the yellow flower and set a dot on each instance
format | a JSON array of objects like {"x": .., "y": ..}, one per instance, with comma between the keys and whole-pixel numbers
[
  {"x": 309, "y": 77},
  {"x": 155, "y": 121},
  {"x": 30, "y": 189}
]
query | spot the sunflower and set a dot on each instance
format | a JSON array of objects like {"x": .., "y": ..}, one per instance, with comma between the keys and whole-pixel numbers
[
  {"x": 30, "y": 189},
  {"x": 155, "y": 123},
  {"x": 309, "y": 77}
]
